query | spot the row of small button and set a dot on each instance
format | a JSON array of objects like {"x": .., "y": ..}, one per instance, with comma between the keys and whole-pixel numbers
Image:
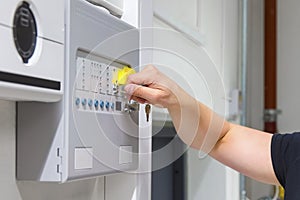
[{"x": 96, "y": 103}]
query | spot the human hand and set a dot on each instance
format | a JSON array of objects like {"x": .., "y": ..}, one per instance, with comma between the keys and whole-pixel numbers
[{"x": 153, "y": 87}]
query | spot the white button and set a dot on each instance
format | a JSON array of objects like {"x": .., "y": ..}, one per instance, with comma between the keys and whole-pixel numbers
[
  {"x": 125, "y": 154},
  {"x": 83, "y": 158}
]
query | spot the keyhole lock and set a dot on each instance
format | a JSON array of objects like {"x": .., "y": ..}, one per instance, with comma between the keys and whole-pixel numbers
[{"x": 131, "y": 106}]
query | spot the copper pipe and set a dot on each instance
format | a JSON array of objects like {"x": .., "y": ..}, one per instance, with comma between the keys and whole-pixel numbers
[{"x": 270, "y": 61}]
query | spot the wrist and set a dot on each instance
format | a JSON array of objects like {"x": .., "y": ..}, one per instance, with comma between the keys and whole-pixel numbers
[{"x": 180, "y": 100}]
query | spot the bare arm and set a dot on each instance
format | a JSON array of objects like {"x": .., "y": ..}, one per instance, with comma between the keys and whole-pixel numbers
[{"x": 243, "y": 149}]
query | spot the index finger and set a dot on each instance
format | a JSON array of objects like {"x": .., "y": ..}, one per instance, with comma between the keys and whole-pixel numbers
[{"x": 145, "y": 77}]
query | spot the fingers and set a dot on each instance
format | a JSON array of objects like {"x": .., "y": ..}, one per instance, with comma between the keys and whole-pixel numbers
[
  {"x": 150, "y": 86},
  {"x": 143, "y": 94},
  {"x": 139, "y": 100},
  {"x": 146, "y": 77}
]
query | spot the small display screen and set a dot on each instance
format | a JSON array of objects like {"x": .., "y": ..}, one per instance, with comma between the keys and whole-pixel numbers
[
  {"x": 98, "y": 59},
  {"x": 118, "y": 105}
]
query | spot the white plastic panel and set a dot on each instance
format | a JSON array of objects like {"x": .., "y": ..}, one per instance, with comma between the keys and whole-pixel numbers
[
  {"x": 125, "y": 154},
  {"x": 41, "y": 79},
  {"x": 7, "y": 10},
  {"x": 49, "y": 16},
  {"x": 49, "y": 63},
  {"x": 115, "y": 6},
  {"x": 83, "y": 158}
]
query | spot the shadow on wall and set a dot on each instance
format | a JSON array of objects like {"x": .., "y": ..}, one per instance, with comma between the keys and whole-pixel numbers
[{"x": 79, "y": 190}]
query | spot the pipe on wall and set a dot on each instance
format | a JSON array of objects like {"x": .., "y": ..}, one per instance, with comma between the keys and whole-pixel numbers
[
  {"x": 270, "y": 75},
  {"x": 270, "y": 85},
  {"x": 244, "y": 60}
]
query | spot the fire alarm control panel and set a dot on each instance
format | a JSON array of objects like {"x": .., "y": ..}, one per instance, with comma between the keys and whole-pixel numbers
[{"x": 93, "y": 130}]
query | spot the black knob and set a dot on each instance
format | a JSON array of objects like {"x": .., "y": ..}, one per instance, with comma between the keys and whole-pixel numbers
[{"x": 25, "y": 31}]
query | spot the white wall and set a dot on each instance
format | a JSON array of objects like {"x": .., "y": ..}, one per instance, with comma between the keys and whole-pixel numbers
[
  {"x": 217, "y": 21},
  {"x": 288, "y": 65}
]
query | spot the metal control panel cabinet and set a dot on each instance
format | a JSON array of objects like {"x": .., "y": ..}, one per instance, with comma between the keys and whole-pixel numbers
[
  {"x": 90, "y": 132},
  {"x": 115, "y": 6},
  {"x": 32, "y": 50}
]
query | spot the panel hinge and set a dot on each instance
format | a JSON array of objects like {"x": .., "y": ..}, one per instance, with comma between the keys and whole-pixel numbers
[{"x": 59, "y": 164}]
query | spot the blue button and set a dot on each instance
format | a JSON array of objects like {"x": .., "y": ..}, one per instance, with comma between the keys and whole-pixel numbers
[
  {"x": 107, "y": 105},
  {"x": 77, "y": 102},
  {"x": 101, "y": 104},
  {"x": 112, "y": 106},
  {"x": 90, "y": 102},
  {"x": 83, "y": 102},
  {"x": 96, "y": 103}
]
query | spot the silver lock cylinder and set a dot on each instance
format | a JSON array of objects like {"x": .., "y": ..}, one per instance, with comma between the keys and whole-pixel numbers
[{"x": 131, "y": 106}]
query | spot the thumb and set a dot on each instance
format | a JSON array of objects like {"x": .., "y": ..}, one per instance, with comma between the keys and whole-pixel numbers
[
  {"x": 144, "y": 94},
  {"x": 130, "y": 88}
]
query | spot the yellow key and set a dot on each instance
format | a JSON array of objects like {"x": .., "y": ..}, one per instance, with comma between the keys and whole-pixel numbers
[{"x": 120, "y": 78}]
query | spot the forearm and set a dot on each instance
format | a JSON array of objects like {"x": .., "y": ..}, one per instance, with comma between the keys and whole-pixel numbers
[{"x": 196, "y": 124}]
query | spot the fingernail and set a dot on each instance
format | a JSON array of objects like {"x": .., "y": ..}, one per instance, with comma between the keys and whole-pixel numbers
[{"x": 129, "y": 89}]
